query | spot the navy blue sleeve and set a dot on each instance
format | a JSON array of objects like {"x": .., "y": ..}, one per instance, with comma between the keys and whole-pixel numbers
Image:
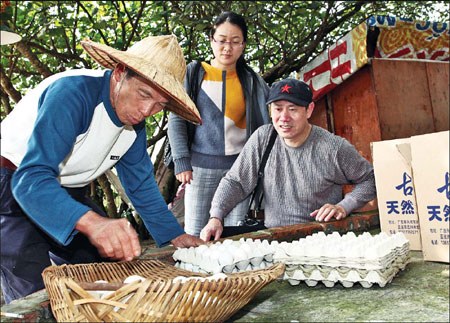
[
  {"x": 63, "y": 113},
  {"x": 135, "y": 171}
]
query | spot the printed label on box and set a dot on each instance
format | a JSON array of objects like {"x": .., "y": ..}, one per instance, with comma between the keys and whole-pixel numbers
[
  {"x": 430, "y": 165},
  {"x": 395, "y": 189}
]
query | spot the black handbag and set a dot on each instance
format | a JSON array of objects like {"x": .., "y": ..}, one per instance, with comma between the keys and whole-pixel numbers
[{"x": 254, "y": 220}]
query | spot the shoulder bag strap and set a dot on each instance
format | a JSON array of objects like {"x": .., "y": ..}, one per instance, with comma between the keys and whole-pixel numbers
[
  {"x": 194, "y": 87},
  {"x": 258, "y": 192}
]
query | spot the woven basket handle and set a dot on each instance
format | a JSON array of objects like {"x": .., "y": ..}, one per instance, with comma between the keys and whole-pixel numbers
[
  {"x": 100, "y": 301},
  {"x": 101, "y": 286}
]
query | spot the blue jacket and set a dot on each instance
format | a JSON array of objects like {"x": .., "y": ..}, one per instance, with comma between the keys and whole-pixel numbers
[{"x": 65, "y": 133}]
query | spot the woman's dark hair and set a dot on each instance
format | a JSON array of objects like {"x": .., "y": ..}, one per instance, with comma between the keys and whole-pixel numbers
[
  {"x": 232, "y": 18},
  {"x": 241, "y": 64}
]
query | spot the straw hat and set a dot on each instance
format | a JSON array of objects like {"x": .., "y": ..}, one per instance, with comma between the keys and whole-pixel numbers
[{"x": 158, "y": 59}]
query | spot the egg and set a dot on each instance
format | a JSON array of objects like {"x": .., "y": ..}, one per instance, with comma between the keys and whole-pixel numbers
[
  {"x": 226, "y": 258},
  {"x": 133, "y": 278}
]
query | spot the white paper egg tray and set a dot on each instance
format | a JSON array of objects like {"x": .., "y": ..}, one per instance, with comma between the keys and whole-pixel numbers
[
  {"x": 227, "y": 257},
  {"x": 363, "y": 252},
  {"x": 332, "y": 258},
  {"x": 347, "y": 276}
]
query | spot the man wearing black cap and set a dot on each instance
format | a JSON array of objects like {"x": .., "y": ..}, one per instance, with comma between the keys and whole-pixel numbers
[{"x": 305, "y": 170}]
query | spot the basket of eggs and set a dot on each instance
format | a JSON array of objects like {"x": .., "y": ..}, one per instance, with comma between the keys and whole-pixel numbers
[{"x": 149, "y": 291}]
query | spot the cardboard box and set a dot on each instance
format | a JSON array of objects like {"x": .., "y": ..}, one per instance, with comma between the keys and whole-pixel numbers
[
  {"x": 430, "y": 165},
  {"x": 395, "y": 189}
]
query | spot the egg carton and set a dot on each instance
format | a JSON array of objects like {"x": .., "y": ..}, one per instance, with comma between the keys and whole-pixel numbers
[
  {"x": 371, "y": 252},
  {"x": 343, "y": 270},
  {"x": 361, "y": 263},
  {"x": 347, "y": 276},
  {"x": 228, "y": 256},
  {"x": 376, "y": 253}
]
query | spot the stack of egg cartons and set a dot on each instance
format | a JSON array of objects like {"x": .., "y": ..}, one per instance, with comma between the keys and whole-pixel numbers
[
  {"x": 226, "y": 257},
  {"x": 329, "y": 259},
  {"x": 346, "y": 259}
]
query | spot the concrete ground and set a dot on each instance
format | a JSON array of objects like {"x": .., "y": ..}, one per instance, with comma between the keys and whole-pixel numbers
[{"x": 420, "y": 293}]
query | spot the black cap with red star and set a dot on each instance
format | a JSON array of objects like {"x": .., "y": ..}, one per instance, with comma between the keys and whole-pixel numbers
[{"x": 292, "y": 90}]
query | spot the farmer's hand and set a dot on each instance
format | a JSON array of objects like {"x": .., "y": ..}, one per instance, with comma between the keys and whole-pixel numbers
[
  {"x": 186, "y": 241},
  {"x": 113, "y": 238},
  {"x": 329, "y": 211},
  {"x": 214, "y": 228}
]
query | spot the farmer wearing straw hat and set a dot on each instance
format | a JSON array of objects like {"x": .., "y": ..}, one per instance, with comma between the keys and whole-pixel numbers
[{"x": 67, "y": 132}]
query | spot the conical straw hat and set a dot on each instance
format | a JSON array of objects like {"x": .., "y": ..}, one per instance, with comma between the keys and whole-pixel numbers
[{"x": 158, "y": 59}]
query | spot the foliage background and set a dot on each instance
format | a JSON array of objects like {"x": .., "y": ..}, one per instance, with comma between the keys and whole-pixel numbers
[{"x": 283, "y": 37}]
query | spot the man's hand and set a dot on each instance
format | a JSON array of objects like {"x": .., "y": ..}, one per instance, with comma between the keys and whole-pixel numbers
[
  {"x": 184, "y": 177},
  {"x": 213, "y": 228},
  {"x": 186, "y": 241},
  {"x": 329, "y": 211},
  {"x": 113, "y": 238}
]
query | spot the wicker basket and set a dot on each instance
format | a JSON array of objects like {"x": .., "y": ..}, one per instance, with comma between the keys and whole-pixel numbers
[{"x": 158, "y": 298}]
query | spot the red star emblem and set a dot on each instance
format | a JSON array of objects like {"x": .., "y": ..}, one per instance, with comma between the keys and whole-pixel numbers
[{"x": 286, "y": 88}]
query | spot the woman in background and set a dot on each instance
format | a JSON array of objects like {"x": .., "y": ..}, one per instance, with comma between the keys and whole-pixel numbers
[{"x": 231, "y": 99}]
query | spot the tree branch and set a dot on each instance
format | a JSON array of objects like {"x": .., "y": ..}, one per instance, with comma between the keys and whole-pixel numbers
[
  {"x": 5, "y": 104},
  {"x": 135, "y": 23},
  {"x": 64, "y": 57},
  {"x": 8, "y": 87},
  {"x": 26, "y": 52},
  {"x": 105, "y": 40}
]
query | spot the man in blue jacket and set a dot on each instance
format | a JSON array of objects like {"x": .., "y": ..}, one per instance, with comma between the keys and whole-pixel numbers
[{"x": 64, "y": 134}]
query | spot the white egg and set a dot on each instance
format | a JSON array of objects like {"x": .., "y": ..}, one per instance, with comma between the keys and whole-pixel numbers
[
  {"x": 239, "y": 255},
  {"x": 247, "y": 249},
  {"x": 226, "y": 258},
  {"x": 188, "y": 266},
  {"x": 227, "y": 242},
  {"x": 176, "y": 255},
  {"x": 133, "y": 278},
  {"x": 349, "y": 235},
  {"x": 217, "y": 276},
  {"x": 215, "y": 255},
  {"x": 200, "y": 250},
  {"x": 181, "y": 279},
  {"x": 97, "y": 294},
  {"x": 181, "y": 254}
]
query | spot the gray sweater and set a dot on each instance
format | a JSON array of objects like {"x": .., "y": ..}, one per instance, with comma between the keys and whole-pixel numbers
[{"x": 298, "y": 180}]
